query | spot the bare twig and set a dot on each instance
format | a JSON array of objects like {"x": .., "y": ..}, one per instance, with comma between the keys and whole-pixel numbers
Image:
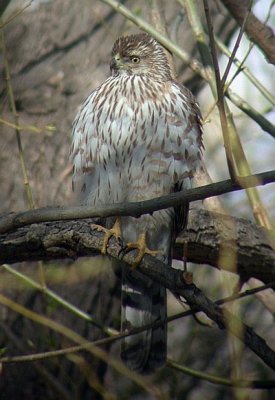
[
  {"x": 55, "y": 297},
  {"x": 236, "y": 45},
  {"x": 258, "y": 32},
  {"x": 246, "y": 71},
  {"x": 12, "y": 221},
  {"x": 115, "y": 335},
  {"x": 236, "y": 158},
  {"x": 159, "y": 22},
  {"x": 15, "y": 115},
  {"x": 52, "y": 380},
  {"x": 172, "y": 279},
  {"x": 195, "y": 65},
  {"x": 71, "y": 239},
  {"x": 251, "y": 112},
  {"x": 242, "y": 383},
  {"x": 31, "y": 128},
  {"x": 164, "y": 40},
  {"x": 3, "y": 6},
  {"x": 220, "y": 96},
  {"x": 75, "y": 337}
]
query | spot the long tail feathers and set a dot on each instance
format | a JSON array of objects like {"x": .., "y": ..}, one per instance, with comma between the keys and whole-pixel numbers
[{"x": 143, "y": 302}]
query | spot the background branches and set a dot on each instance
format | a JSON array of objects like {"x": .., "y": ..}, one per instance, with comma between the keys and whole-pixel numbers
[
  {"x": 258, "y": 32},
  {"x": 47, "y": 79}
]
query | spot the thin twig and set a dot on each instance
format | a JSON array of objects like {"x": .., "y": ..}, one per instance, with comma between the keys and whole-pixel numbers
[
  {"x": 31, "y": 128},
  {"x": 174, "y": 281},
  {"x": 239, "y": 69},
  {"x": 241, "y": 383},
  {"x": 246, "y": 71},
  {"x": 251, "y": 112},
  {"x": 194, "y": 64},
  {"x": 166, "y": 42},
  {"x": 220, "y": 95},
  {"x": 120, "y": 335},
  {"x": 75, "y": 337},
  {"x": 236, "y": 158},
  {"x": 6, "y": 22},
  {"x": 157, "y": 16},
  {"x": 49, "y": 378},
  {"x": 27, "y": 187},
  {"x": 135, "y": 209},
  {"x": 257, "y": 31},
  {"x": 236, "y": 46},
  {"x": 54, "y": 296}
]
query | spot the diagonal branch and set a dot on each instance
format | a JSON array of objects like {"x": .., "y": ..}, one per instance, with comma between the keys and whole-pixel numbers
[
  {"x": 242, "y": 383},
  {"x": 48, "y": 240},
  {"x": 220, "y": 95},
  {"x": 257, "y": 31},
  {"x": 206, "y": 234},
  {"x": 16, "y": 220}
]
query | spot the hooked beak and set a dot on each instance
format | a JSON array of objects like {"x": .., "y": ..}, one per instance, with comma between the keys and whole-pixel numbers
[{"x": 116, "y": 63}]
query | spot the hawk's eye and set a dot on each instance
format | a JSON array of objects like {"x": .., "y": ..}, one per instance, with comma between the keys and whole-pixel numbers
[{"x": 135, "y": 59}]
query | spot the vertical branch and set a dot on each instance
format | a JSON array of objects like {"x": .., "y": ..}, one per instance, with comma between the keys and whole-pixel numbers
[
  {"x": 244, "y": 69},
  {"x": 202, "y": 177},
  {"x": 225, "y": 252},
  {"x": 220, "y": 95},
  {"x": 190, "y": 6},
  {"x": 27, "y": 187},
  {"x": 236, "y": 46},
  {"x": 157, "y": 17},
  {"x": 236, "y": 158}
]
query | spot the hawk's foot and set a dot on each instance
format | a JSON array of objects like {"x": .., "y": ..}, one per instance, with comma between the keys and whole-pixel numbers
[
  {"x": 114, "y": 231},
  {"x": 142, "y": 248}
]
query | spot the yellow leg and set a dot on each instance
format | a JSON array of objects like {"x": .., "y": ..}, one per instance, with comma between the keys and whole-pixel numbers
[
  {"x": 142, "y": 248},
  {"x": 114, "y": 231}
]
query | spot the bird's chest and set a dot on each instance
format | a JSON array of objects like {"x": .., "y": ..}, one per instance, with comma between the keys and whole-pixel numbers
[
  {"x": 136, "y": 140},
  {"x": 137, "y": 123}
]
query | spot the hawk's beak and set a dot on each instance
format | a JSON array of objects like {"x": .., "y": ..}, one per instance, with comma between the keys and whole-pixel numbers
[
  {"x": 116, "y": 62},
  {"x": 113, "y": 63}
]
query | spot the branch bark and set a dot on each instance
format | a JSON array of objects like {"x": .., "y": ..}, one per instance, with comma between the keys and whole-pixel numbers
[
  {"x": 135, "y": 209},
  {"x": 206, "y": 234},
  {"x": 212, "y": 235},
  {"x": 76, "y": 238},
  {"x": 257, "y": 31}
]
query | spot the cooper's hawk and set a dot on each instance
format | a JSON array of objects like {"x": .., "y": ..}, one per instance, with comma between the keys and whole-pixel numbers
[{"x": 137, "y": 137}]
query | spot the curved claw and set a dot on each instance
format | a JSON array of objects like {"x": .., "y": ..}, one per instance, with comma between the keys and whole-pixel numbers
[
  {"x": 114, "y": 231},
  {"x": 142, "y": 248}
]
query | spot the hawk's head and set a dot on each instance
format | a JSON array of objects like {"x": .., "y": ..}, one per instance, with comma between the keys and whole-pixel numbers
[{"x": 139, "y": 55}]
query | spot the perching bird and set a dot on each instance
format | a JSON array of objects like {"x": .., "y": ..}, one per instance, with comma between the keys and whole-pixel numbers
[{"x": 137, "y": 137}]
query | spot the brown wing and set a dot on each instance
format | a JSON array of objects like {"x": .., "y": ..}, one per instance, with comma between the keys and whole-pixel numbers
[{"x": 195, "y": 123}]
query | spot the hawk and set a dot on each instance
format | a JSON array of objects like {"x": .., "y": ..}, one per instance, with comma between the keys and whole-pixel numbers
[{"x": 137, "y": 137}]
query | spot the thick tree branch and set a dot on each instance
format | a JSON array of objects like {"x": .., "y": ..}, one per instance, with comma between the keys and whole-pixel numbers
[
  {"x": 16, "y": 220},
  {"x": 212, "y": 235},
  {"x": 74, "y": 238},
  {"x": 207, "y": 235},
  {"x": 257, "y": 31}
]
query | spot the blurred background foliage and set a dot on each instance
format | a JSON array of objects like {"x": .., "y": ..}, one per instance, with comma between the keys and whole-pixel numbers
[{"x": 58, "y": 51}]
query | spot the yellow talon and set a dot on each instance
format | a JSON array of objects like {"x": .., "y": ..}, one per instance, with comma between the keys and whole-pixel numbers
[
  {"x": 114, "y": 231},
  {"x": 142, "y": 248}
]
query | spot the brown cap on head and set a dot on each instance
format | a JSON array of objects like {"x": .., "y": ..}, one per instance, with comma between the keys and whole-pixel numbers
[{"x": 139, "y": 54}]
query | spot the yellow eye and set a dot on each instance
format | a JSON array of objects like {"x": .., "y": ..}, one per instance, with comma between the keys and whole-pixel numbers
[{"x": 135, "y": 59}]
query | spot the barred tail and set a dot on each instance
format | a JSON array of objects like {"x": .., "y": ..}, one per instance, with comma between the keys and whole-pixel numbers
[{"x": 143, "y": 302}]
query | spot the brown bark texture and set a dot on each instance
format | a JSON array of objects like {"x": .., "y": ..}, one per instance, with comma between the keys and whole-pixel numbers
[
  {"x": 257, "y": 31},
  {"x": 58, "y": 52},
  {"x": 211, "y": 238}
]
